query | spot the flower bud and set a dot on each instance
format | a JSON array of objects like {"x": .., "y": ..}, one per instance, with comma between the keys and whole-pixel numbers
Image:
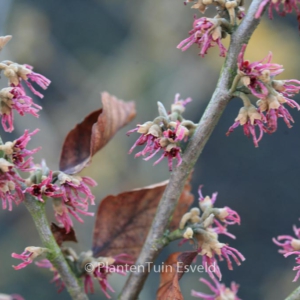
[
  {"x": 143, "y": 129},
  {"x": 188, "y": 234},
  {"x": 209, "y": 220},
  {"x": 195, "y": 215},
  {"x": 205, "y": 203},
  {"x": 295, "y": 244}
]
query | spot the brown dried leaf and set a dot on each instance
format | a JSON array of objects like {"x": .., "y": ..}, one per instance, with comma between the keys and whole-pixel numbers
[
  {"x": 94, "y": 132},
  {"x": 172, "y": 271},
  {"x": 61, "y": 235},
  {"x": 123, "y": 221}
]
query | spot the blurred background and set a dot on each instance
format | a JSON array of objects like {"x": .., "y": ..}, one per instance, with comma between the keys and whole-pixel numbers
[{"x": 128, "y": 48}]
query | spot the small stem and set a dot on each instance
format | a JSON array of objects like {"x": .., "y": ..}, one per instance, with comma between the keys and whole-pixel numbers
[
  {"x": 172, "y": 236},
  {"x": 236, "y": 80},
  {"x": 295, "y": 295},
  {"x": 225, "y": 25},
  {"x": 244, "y": 97},
  {"x": 55, "y": 256}
]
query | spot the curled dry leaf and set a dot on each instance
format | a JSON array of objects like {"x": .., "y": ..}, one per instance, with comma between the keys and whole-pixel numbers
[
  {"x": 94, "y": 132},
  {"x": 173, "y": 269},
  {"x": 61, "y": 235},
  {"x": 123, "y": 221}
]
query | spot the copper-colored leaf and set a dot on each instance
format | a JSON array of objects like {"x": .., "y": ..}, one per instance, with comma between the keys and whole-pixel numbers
[
  {"x": 61, "y": 235},
  {"x": 94, "y": 132},
  {"x": 173, "y": 269},
  {"x": 123, "y": 221}
]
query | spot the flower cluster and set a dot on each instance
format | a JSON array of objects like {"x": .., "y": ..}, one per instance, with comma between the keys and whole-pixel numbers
[
  {"x": 10, "y": 185},
  {"x": 258, "y": 79},
  {"x": 206, "y": 33},
  {"x": 221, "y": 292},
  {"x": 204, "y": 231},
  {"x": 165, "y": 133},
  {"x": 99, "y": 268},
  {"x": 15, "y": 157},
  {"x": 282, "y": 7},
  {"x": 226, "y": 8},
  {"x": 76, "y": 195},
  {"x": 14, "y": 97},
  {"x": 290, "y": 246},
  {"x": 16, "y": 151},
  {"x": 71, "y": 194}
]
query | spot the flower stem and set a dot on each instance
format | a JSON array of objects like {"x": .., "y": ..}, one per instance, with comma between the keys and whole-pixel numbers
[
  {"x": 295, "y": 295},
  {"x": 236, "y": 80},
  {"x": 55, "y": 256},
  {"x": 244, "y": 97},
  {"x": 209, "y": 120}
]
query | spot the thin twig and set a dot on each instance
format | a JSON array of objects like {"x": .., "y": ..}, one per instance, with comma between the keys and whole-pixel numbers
[
  {"x": 37, "y": 211},
  {"x": 295, "y": 295},
  {"x": 209, "y": 120}
]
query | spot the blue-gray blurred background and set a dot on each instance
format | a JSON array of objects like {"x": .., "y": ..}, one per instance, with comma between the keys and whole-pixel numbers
[{"x": 128, "y": 48}]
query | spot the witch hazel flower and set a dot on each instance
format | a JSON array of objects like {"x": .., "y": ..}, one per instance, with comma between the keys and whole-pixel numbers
[
  {"x": 171, "y": 151},
  {"x": 297, "y": 259},
  {"x": 44, "y": 189},
  {"x": 282, "y": 7},
  {"x": 288, "y": 88},
  {"x": 179, "y": 105},
  {"x": 150, "y": 134},
  {"x": 274, "y": 109},
  {"x": 273, "y": 95},
  {"x": 102, "y": 268},
  {"x": 63, "y": 210},
  {"x": 90, "y": 268},
  {"x": 10, "y": 185},
  {"x": 101, "y": 273},
  {"x": 255, "y": 76},
  {"x": 74, "y": 198},
  {"x": 209, "y": 248},
  {"x": 206, "y": 33},
  {"x": 232, "y": 7},
  {"x": 225, "y": 214},
  {"x": 29, "y": 254},
  {"x": 74, "y": 186},
  {"x": 222, "y": 229},
  {"x": 14, "y": 98},
  {"x": 221, "y": 292},
  {"x": 165, "y": 133},
  {"x": 287, "y": 242},
  {"x": 249, "y": 118},
  {"x": 290, "y": 246},
  {"x": 17, "y": 73},
  {"x": 204, "y": 231},
  {"x": 17, "y": 153}
]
